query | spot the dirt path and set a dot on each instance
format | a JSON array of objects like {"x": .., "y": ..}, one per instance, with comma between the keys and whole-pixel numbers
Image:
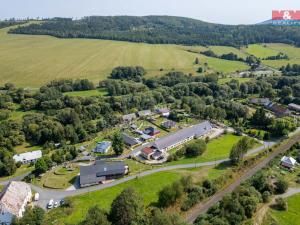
[{"x": 203, "y": 207}]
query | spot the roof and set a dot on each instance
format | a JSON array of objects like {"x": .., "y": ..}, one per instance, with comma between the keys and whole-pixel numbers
[
  {"x": 146, "y": 136},
  {"x": 129, "y": 116},
  {"x": 162, "y": 110},
  {"x": 14, "y": 197},
  {"x": 147, "y": 151},
  {"x": 169, "y": 123},
  {"x": 129, "y": 140},
  {"x": 295, "y": 106},
  {"x": 262, "y": 101},
  {"x": 157, "y": 154},
  {"x": 288, "y": 160},
  {"x": 194, "y": 131},
  {"x": 277, "y": 109},
  {"x": 144, "y": 113},
  {"x": 97, "y": 172},
  {"x": 27, "y": 156},
  {"x": 104, "y": 145}
]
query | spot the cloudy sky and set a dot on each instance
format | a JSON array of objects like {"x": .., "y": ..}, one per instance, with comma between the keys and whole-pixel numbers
[{"x": 219, "y": 11}]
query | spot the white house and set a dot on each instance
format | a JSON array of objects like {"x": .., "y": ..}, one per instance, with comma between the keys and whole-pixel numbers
[
  {"x": 28, "y": 157},
  {"x": 288, "y": 162},
  {"x": 13, "y": 201}
]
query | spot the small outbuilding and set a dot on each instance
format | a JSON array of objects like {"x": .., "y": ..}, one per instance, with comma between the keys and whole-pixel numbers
[
  {"x": 103, "y": 147},
  {"x": 288, "y": 162}
]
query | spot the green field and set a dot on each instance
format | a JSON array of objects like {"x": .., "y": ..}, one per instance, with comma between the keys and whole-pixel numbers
[
  {"x": 30, "y": 61},
  {"x": 240, "y": 79},
  {"x": 88, "y": 93},
  {"x": 291, "y": 216},
  {"x": 216, "y": 149},
  {"x": 147, "y": 186},
  {"x": 219, "y": 50}
]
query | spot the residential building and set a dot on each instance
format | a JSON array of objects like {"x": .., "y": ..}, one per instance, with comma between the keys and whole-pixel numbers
[
  {"x": 295, "y": 107},
  {"x": 169, "y": 124},
  {"x": 288, "y": 162},
  {"x": 152, "y": 131},
  {"x": 13, "y": 201},
  {"x": 102, "y": 171},
  {"x": 163, "y": 112},
  {"x": 103, "y": 147},
  {"x": 278, "y": 110},
  {"x": 147, "y": 153},
  {"x": 28, "y": 157},
  {"x": 146, "y": 137},
  {"x": 129, "y": 118},
  {"x": 144, "y": 113},
  {"x": 130, "y": 141},
  {"x": 182, "y": 136},
  {"x": 260, "y": 101}
]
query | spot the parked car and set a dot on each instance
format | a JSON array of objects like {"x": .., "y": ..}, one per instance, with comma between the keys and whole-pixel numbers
[
  {"x": 36, "y": 196},
  {"x": 50, "y": 204},
  {"x": 56, "y": 205}
]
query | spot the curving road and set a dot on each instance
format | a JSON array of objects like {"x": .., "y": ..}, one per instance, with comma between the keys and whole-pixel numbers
[{"x": 56, "y": 195}]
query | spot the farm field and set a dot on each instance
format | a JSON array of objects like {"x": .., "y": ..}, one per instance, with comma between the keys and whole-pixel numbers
[
  {"x": 289, "y": 217},
  {"x": 30, "y": 61},
  {"x": 89, "y": 93}
]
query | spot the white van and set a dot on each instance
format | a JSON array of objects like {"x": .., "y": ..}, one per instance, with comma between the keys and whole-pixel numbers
[
  {"x": 36, "y": 196},
  {"x": 50, "y": 204}
]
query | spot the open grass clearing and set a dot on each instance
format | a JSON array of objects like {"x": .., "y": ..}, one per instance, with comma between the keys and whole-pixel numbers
[
  {"x": 239, "y": 79},
  {"x": 217, "y": 149},
  {"x": 33, "y": 60},
  {"x": 289, "y": 217},
  {"x": 58, "y": 178},
  {"x": 89, "y": 93}
]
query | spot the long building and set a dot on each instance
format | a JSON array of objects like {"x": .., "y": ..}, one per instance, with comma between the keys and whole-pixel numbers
[
  {"x": 28, "y": 157},
  {"x": 182, "y": 136},
  {"x": 102, "y": 171}
]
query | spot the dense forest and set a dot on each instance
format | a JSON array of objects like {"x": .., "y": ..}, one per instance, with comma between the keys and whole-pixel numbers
[
  {"x": 8, "y": 23},
  {"x": 163, "y": 29}
]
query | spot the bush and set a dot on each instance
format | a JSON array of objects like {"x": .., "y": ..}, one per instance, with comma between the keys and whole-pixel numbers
[
  {"x": 281, "y": 204},
  {"x": 281, "y": 186},
  {"x": 266, "y": 196},
  {"x": 195, "y": 149},
  {"x": 169, "y": 194}
]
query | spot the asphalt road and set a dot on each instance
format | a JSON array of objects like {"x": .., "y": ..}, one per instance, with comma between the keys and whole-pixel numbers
[{"x": 203, "y": 207}]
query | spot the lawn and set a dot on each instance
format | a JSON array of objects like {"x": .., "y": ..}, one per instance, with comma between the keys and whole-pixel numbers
[
  {"x": 33, "y": 60},
  {"x": 291, "y": 216},
  {"x": 216, "y": 149},
  {"x": 260, "y": 51},
  {"x": 59, "y": 178},
  {"x": 147, "y": 187},
  {"x": 88, "y": 93}
]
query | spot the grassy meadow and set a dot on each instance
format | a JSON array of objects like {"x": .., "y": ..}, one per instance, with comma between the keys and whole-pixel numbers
[
  {"x": 289, "y": 217},
  {"x": 30, "y": 61}
]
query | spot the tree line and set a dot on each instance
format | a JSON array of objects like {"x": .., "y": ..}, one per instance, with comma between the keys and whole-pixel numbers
[{"x": 163, "y": 30}]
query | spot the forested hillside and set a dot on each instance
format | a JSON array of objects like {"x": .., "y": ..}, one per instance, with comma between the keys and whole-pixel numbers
[
  {"x": 163, "y": 29},
  {"x": 8, "y": 23}
]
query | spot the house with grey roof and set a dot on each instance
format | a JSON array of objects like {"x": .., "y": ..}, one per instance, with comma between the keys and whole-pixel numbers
[
  {"x": 130, "y": 141},
  {"x": 144, "y": 113},
  {"x": 169, "y": 124},
  {"x": 102, "y": 171},
  {"x": 294, "y": 107},
  {"x": 182, "y": 136},
  {"x": 260, "y": 101},
  {"x": 129, "y": 118}
]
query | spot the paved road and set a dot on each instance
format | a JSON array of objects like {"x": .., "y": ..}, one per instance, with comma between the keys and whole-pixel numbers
[
  {"x": 203, "y": 207},
  {"x": 47, "y": 194}
]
